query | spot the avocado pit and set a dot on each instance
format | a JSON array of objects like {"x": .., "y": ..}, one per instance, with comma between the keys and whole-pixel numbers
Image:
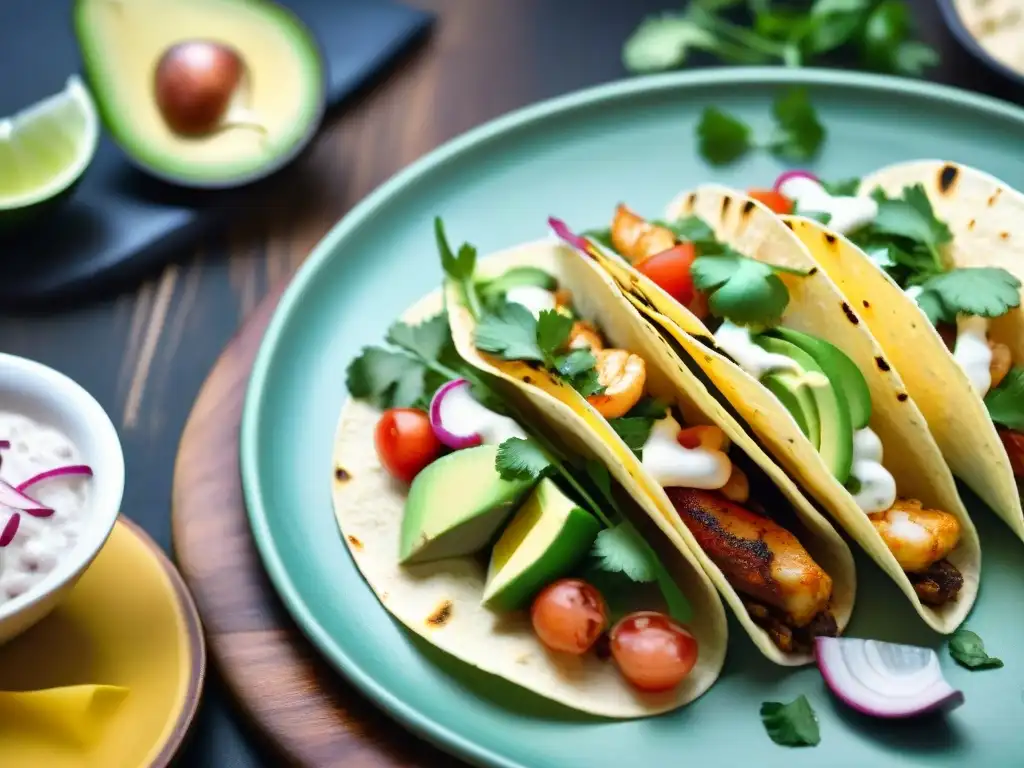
[{"x": 201, "y": 88}]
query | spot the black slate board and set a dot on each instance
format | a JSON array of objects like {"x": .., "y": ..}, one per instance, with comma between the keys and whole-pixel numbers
[{"x": 120, "y": 223}]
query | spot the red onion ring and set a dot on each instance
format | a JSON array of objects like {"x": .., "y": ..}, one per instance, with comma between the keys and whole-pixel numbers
[
  {"x": 13, "y": 497},
  {"x": 796, "y": 174},
  {"x": 448, "y": 438}
]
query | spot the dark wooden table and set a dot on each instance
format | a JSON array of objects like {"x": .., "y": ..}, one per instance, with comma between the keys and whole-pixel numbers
[{"x": 145, "y": 353}]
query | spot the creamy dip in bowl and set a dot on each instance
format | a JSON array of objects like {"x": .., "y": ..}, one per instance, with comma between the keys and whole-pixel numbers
[{"x": 53, "y": 430}]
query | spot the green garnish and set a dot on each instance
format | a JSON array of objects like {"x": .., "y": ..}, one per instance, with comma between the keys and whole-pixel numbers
[
  {"x": 621, "y": 550},
  {"x": 791, "y": 725},
  {"x": 741, "y": 289},
  {"x": 693, "y": 229},
  {"x": 459, "y": 267},
  {"x": 968, "y": 650},
  {"x": 1005, "y": 403},
  {"x": 520, "y": 459},
  {"x": 407, "y": 377},
  {"x": 841, "y": 188},
  {"x": 906, "y": 239},
  {"x": 512, "y": 333},
  {"x": 878, "y": 32},
  {"x": 635, "y": 427},
  {"x": 797, "y": 134}
]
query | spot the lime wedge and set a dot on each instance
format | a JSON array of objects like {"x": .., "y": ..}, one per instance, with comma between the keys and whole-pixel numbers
[{"x": 45, "y": 148}]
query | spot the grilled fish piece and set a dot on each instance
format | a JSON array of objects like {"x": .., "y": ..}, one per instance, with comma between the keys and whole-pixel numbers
[
  {"x": 916, "y": 537},
  {"x": 636, "y": 238},
  {"x": 759, "y": 557}
]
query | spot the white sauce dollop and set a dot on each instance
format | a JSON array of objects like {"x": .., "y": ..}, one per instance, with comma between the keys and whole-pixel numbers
[
  {"x": 41, "y": 542},
  {"x": 736, "y": 341},
  {"x": 462, "y": 415},
  {"x": 848, "y": 213},
  {"x": 972, "y": 352},
  {"x": 877, "y": 486},
  {"x": 674, "y": 466},
  {"x": 534, "y": 298}
]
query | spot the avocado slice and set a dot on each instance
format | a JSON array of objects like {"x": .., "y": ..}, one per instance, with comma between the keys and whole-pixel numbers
[
  {"x": 456, "y": 505},
  {"x": 264, "y": 68},
  {"x": 841, "y": 371},
  {"x": 548, "y": 537},
  {"x": 835, "y": 444}
]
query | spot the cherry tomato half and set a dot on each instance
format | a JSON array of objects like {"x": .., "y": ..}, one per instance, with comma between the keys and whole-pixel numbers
[
  {"x": 653, "y": 652},
  {"x": 569, "y": 615},
  {"x": 671, "y": 271},
  {"x": 1013, "y": 441},
  {"x": 776, "y": 201},
  {"x": 405, "y": 442}
]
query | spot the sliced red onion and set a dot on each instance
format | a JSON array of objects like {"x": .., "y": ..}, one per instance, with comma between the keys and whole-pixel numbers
[
  {"x": 796, "y": 174},
  {"x": 884, "y": 680},
  {"x": 454, "y": 390},
  {"x": 561, "y": 229},
  {"x": 14, "y": 498},
  {"x": 10, "y": 529},
  {"x": 5, "y": 444},
  {"x": 70, "y": 469}
]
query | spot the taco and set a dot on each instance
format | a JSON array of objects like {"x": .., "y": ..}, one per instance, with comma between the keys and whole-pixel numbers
[
  {"x": 495, "y": 535},
  {"x": 740, "y": 298},
  {"x": 933, "y": 260},
  {"x": 548, "y": 321}
]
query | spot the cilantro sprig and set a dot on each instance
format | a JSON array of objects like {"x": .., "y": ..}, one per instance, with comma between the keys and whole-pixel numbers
[
  {"x": 791, "y": 725},
  {"x": 906, "y": 239},
  {"x": 877, "y": 33},
  {"x": 635, "y": 427},
  {"x": 796, "y": 136},
  {"x": 1005, "y": 403},
  {"x": 968, "y": 650}
]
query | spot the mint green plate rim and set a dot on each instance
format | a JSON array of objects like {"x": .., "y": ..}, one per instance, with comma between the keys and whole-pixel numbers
[{"x": 256, "y": 393}]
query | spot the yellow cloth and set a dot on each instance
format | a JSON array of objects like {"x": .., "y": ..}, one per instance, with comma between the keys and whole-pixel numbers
[{"x": 75, "y": 714}]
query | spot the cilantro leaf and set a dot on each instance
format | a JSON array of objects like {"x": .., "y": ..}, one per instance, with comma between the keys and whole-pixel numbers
[
  {"x": 910, "y": 216},
  {"x": 552, "y": 332},
  {"x": 649, "y": 408},
  {"x": 587, "y": 383},
  {"x": 690, "y": 229},
  {"x": 721, "y": 137},
  {"x": 663, "y": 42},
  {"x": 510, "y": 332},
  {"x": 931, "y": 304},
  {"x": 885, "y": 45},
  {"x": 600, "y": 236},
  {"x": 620, "y": 549},
  {"x": 968, "y": 650},
  {"x": 459, "y": 268},
  {"x": 800, "y": 134},
  {"x": 576, "y": 362},
  {"x": 1005, "y": 403},
  {"x": 428, "y": 339},
  {"x": 822, "y": 217},
  {"x": 520, "y": 459},
  {"x": 742, "y": 290},
  {"x": 633, "y": 430},
  {"x": 600, "y": 477},
  {"x": 983, "y": 291},
  {"x": 841, "y": 188},
  {"x": 791, "y": 725},
  {"x": 385, "y": 378}
]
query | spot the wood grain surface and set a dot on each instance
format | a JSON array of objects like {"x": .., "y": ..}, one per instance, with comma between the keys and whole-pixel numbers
[{"x": 145, "y": 353}]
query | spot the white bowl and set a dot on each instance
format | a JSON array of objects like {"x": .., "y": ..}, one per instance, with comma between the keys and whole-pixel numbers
[{"x": 51, "y": 398}]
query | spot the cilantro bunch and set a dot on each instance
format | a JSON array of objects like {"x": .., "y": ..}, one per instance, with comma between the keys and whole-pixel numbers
[
  {"x": 877, "y": 34},
  {"x": 906, "y": 240}
]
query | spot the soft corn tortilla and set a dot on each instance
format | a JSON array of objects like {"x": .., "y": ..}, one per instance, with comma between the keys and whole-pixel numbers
[
  {"x": 816, "y": 307},
  {"x": 985, "y": 218},
  {"x": 441, "y": 601},
  {"x": 596, "y": 299}
]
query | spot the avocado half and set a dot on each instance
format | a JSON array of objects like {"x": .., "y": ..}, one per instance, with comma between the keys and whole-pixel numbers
[{"x": 123, "y": 42}]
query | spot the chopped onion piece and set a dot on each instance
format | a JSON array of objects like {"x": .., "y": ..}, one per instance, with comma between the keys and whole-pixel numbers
[
  {"x": 10, "y": 529},
  {"x": 5, "y": 444},
  {"x": 884, "y": 680},
  {"x": 70, "y": 469},
  {"x": 795, "y": 174},
  {"x": 561, "y": 229},
  {"x": 14, "y": 498}
]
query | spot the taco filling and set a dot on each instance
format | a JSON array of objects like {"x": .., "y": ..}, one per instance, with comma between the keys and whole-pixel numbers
[
  {"x": 524, "y": 315},
  {"x": 484, "y": 484},
  {"x": 741, "y": 301},
  {"x": 902, "y": 235}
]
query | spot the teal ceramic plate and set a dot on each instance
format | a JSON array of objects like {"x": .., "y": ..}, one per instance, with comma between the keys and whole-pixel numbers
[{"x": 576, "y": 157}]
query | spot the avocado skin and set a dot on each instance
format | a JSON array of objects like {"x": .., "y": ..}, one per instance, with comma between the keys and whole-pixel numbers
[
  {"x": 570, "y": 545},
  {"x": 841, "y": 371},
  {"x": 456, "y": 505},
  {"x": 836, "y": 430}
]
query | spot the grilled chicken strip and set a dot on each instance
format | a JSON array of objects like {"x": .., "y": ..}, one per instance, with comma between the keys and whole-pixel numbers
[
  {"x": 759, "y": 557},
  {"x": 636, "y": 238},
  {"x": 916, "y": 537}
]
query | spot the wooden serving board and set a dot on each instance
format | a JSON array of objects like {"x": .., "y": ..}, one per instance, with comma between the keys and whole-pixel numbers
[{"x": 304, "y": 707}]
